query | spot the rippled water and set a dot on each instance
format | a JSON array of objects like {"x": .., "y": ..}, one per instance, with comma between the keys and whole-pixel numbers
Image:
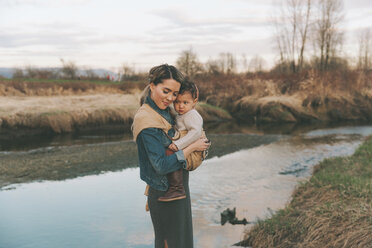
[{"x": 107, "y": 210}]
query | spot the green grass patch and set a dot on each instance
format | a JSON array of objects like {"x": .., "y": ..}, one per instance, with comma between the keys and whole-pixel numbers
[
  {"x": 57, "y": 112},
  {"x": 207, "y": 105},
  {"x": 285, "y": 219},
  {"x": 350, "y": 175}
]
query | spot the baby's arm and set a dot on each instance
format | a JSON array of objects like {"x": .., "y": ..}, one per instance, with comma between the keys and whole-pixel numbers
[
  {"x": 173, "y": 147},
  {"x": 194, "y": 125}
]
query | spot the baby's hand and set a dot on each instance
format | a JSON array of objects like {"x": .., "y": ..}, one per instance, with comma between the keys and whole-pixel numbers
[{"x": 173, "y": 147}]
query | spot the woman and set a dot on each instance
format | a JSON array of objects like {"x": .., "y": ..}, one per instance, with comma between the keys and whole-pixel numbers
[{"x": 152, "y": 129}]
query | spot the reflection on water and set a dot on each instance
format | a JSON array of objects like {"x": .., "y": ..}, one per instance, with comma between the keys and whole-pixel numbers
[
  {"x": 252, "y": 181},
  {"x": 28, "y": 142},
  {"x": 12, "y": 142},
  {"x": 92, "y": 211},
  {"x": 107, "y": 210}
]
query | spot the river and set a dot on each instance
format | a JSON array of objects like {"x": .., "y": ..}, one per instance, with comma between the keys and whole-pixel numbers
[{"x": 253, "y": 172}]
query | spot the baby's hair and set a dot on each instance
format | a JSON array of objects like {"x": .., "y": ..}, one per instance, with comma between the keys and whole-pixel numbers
[{"x": 189, "y": 86}]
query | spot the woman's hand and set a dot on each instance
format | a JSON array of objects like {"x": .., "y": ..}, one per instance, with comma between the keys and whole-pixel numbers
[{"x": 199, "y": 145}]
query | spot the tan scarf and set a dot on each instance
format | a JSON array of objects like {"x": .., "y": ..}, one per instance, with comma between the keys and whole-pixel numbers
[{"x": 147, "y": 117}]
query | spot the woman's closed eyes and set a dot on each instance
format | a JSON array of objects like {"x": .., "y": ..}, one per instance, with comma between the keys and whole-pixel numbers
[{"x": 167, "y": 92}]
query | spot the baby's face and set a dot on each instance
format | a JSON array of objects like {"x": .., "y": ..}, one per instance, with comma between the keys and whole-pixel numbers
[{"x": 184, "y": 103}]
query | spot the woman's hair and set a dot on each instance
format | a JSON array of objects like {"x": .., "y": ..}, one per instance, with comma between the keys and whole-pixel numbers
[
  {"x": 189, "y": 86},
  {"x": 159, "y": 73}
]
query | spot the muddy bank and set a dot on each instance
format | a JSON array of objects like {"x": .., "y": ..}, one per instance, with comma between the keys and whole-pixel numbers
[
  {"x": 63, "y": 162},
  {"x": 59, "y": 163}
]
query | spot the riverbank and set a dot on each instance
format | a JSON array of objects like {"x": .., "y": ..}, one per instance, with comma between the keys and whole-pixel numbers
[
  {"x": 65, "y": 106},
  {"x": 332, "y": 209},
  {"x": 64, "y": 162},
  {"x": 25, "y": 115},
  {"x": 312, "y": 98}
]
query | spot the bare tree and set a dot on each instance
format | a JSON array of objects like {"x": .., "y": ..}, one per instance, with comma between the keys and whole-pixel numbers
[
  {"x": 18, "y": 73},
  {"x": 256, "y": 64},
  {"x": 304, "y": 30},
  {"x": 291, "y": 27},
  {"x": 188, "y": 63},
  {"x": 69, "y": 69},
  {"x": 227, "y": 63},
  {"x": 291, "y": 33},
  {"x": 126, "y": 72},
  {"x": 31, "y": 72},
  {"x": 365, "y": 46},
  {"x": 90, "y": 74},
  {"x": 328, "y": 37},
  {"x": 244, "y": 63},
  {"x": 224, "y": 64},
  {"x": 212, "y": 67}
]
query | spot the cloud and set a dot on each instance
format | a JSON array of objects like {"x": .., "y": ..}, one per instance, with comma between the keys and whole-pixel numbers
[
  {"x": 183, "y": 30},
  {"x": 359, "y": 3},
  {"x": 38, "y": 3},
  {"x": 65, "y": 40},
  {"x": 179, "y": 18},
  {"x": 357, "y": 15},
  {"x": 60, "y": 36},
  {"x": 54, "y": 39}
]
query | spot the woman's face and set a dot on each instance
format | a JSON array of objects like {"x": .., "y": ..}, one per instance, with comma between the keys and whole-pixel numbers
[{"x": 163, "y": 94}]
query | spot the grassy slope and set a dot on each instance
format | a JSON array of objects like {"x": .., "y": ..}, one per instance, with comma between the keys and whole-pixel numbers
[
  {"x": 332, "y": 209},
  {"x": 65, "y": 105},
  {"x": 311, "y": 97},
  {"x": 66, "y": 113}
]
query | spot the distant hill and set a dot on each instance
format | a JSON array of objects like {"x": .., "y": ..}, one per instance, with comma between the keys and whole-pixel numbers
[{"x": 8, "y": 72}]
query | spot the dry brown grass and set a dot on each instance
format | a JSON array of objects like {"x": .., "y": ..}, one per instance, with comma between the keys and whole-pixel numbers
[
  {"x": 269, "y": 84},
  {"x": 323, "y": 219},
  {"x": 63, "y": 87},
  {"x": 66, "y": 113},
  {"x": 306, "y": 97},
  {"x": 64, "y": 106}
]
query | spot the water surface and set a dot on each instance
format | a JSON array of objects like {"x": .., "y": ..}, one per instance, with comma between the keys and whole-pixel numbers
[{"x": 107, "y": 210}]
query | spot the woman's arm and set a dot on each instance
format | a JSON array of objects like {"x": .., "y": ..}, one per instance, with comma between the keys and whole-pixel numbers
[{"x": 150, "y": 145}]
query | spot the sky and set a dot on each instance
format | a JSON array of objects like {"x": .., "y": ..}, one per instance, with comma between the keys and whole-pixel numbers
[{"x": 143, "y": 33}]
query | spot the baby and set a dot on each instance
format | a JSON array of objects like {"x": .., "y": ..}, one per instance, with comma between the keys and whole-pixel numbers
[{"x": 190, "y": 124}]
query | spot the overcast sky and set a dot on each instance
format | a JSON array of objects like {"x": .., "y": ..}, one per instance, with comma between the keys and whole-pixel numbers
[{"x": 107, "y": 33}]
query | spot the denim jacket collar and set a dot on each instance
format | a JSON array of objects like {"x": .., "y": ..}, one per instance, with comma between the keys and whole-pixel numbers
[{"x": 165, "y": 113}]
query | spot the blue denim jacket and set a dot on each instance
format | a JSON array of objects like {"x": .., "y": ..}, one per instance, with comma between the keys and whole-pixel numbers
[{"x": 151, "y": 144}]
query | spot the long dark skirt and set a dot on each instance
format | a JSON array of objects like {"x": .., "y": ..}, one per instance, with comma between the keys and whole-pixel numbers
[{"x": 172, "y": 221}]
